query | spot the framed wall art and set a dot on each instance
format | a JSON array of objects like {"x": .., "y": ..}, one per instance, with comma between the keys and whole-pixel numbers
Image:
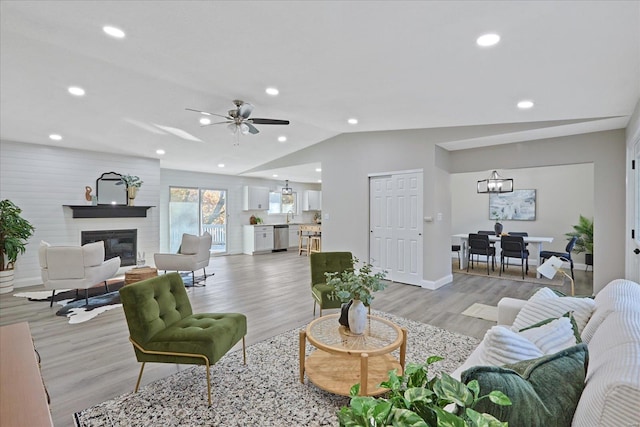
[{"x": 520, "y": 205}]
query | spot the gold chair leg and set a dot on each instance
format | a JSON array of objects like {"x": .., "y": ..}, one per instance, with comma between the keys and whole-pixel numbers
[
  {"x": 314, "y": 308},
  {"x": 209, "y": 384},
  {"x": 244, "y": 351},
  {"x": 139, "y": 377}
]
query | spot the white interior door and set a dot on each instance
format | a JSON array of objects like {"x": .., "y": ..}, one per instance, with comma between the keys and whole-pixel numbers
[
  {"x": 381, "y": 216},
  {"x": 396, "y": 243},
  {"x": 633, "y": 249}
]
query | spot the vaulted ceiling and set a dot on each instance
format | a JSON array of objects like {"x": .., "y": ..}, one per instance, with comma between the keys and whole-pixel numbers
[{"x": 389, "y": 64}]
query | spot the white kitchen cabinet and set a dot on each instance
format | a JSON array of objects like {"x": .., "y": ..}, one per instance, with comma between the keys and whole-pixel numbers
[
  {"x": 294, "y": 235},
  {"x": 257, "y": 239},
  {"x": 255, "y": 198},
  {"x": 312, "y": 200}
]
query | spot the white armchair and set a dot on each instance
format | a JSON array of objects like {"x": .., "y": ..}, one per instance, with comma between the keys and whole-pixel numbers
[
  {"x": 193, "y": 254},
  {"x": 75, "y": 267}
]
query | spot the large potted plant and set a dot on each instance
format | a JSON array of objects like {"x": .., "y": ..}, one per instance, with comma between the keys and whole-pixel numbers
[
  {"x": 357, "y": 285},
  {"x": 415, "y": 400},
  {"x": 14, "y": 232},
  {"x": 584, "y": 232}
]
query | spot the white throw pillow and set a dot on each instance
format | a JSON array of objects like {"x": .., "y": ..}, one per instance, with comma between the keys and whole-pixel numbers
[
  {"x": 553, "y": 336},
  {"x": 502, "y": 346},
  {"x": 545, "y": 304}
]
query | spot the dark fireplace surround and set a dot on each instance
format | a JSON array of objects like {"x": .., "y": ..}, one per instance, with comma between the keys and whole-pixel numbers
[{"x": 122, "y": 243}]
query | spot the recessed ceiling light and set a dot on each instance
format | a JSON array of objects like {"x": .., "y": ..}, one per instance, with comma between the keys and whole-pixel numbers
[
  {"x": 488, "y": 40},
  {"x": 525, "y": 104},
  {"x": 220, "y": 165},
  {"x": 113, "y": 32},
  {"x": 352, "y": 121},
  {"x": 275, "y": 175},
  {"x": 319, "y": 180},
  {"x": 205, "y": 121},
  {"x": 318, "y": 169},
  {"x": 76, "y": 91},
  {"x": 272, "y": 91},
  {"x": 160, "y": 151},
  {"x": 282, "y": 138},
  {"x": 55, "y": 137}
]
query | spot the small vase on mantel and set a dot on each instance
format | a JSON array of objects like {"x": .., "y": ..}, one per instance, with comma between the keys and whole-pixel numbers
[
  {"x": 131, "y": 195},
  {"x": 357, "y": 317}
]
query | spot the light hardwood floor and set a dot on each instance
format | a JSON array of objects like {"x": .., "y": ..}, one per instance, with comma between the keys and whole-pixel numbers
[{"x": 91, "y": 362}]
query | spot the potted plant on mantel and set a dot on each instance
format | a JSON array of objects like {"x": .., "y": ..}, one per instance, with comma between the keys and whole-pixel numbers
[
  {"x": 14, "y": 232},
  {"x": 357, "y": 285},
  {"x": 133, "y": 183},
  {"x": 584, "y": 232}
]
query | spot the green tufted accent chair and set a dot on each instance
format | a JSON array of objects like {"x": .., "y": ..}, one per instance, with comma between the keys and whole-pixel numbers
[
  {"x": 163, "y": 328},
  {"x": 327, "y": 262}
]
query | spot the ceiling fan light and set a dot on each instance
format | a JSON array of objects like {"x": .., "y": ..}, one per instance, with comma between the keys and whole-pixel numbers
[
  {"x": 232, "y": 128},
  {"x": 244, "y": 129}
]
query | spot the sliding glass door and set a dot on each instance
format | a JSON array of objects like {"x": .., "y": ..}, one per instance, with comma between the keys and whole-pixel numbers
[{"x": 195, "y": 211}]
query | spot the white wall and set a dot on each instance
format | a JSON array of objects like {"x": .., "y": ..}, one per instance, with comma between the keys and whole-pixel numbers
[
  {"x": 562, "y": 194},
  {"x": 41, "y": 179},
  {"x": 234, "y": 186}
]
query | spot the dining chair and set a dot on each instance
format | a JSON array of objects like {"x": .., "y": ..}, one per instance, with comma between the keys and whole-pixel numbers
[
  {"x": 566, "y": 256},
  {"x": 456, "y": 248},
  {"x": 513, "y": 247},
  {"x": 479, "y": 245}
]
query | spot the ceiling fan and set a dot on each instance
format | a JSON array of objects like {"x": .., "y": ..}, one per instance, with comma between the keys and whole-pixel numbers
[{"x": 238, "y": 121}]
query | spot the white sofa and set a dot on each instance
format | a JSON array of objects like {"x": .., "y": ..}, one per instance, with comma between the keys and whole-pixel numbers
[{"x": 611, "y": 396}]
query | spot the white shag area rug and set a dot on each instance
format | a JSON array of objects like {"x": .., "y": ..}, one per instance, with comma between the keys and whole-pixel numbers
[{"x": 265, "y": 392}]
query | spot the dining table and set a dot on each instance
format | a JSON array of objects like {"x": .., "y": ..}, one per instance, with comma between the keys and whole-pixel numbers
[{"x": 535, "y": 245}]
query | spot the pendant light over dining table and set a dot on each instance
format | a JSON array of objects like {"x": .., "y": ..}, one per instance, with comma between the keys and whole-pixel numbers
[{"x": 495, "y": 184}]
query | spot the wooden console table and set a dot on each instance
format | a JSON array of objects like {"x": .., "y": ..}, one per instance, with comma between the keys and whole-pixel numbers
[{"x": 23, "y": 399}]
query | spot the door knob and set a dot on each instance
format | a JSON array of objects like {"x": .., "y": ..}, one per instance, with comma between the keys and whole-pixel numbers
[{"x": 636, "y": 251}]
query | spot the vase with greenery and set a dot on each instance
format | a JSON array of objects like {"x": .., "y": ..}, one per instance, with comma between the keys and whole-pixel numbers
[
  {"x": 133, "y": 183},
  {"x": 357, "y": 285},
  {"x": 14, "y": 232},
  {"x": 584, "y": 232},
  {"x": 416, "y": 400}
]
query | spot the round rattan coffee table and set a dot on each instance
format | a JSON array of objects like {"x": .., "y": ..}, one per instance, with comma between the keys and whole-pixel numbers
[{"x": 342, "y": 359}]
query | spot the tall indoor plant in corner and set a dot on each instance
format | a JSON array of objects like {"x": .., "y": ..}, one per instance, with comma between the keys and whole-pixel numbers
[
  {"x": 14, "y": 232},
  {"x": 357, "y": 285},
  {"x": 584, "y": 232}
]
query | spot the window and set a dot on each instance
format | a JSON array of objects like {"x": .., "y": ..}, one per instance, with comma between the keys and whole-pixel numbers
[
  {"x": 279, "y": 204},
  {"x": 195, "y": 211}
]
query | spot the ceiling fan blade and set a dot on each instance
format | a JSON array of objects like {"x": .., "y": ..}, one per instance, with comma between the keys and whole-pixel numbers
[
  {"x": 252, "y": 129},
  {"x": 216, "y": 123},
  {"x": 245, "y": 110},
  {"x": 206, "y": 113},
  {"x": 269, "y": 122}
]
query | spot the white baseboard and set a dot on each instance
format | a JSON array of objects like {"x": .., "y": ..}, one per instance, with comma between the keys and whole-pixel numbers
[{"x": 433, "y": 285}]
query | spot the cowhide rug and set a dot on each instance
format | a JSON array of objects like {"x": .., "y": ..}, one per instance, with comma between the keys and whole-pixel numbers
[{"x": 74, "y": 307}]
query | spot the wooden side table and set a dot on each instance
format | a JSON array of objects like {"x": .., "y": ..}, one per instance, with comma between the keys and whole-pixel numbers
[{"x": 139, "y": 273}]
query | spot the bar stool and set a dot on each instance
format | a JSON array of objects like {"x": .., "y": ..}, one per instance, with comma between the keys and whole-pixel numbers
[
  {"x": 315, "y": 243},
  {"x": 304, "y": 243}
]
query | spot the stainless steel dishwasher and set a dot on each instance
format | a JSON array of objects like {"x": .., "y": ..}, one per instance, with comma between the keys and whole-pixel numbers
[{"x": 280, "y": 237}]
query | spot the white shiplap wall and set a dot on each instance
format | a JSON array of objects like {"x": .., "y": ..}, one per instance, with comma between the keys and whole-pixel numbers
[{"x": 41, "y": 179}]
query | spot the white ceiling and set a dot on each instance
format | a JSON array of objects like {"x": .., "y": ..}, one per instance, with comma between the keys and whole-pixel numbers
[{"x": 391, "y": 64}]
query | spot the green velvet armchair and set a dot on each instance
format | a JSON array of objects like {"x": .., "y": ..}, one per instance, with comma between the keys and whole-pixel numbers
[
  {"x": 327, "y": 262},
  {"x": 163, "y": 328}
]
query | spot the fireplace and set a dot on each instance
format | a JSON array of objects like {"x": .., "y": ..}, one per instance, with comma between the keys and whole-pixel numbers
[{"x": 122, "y": 243}]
